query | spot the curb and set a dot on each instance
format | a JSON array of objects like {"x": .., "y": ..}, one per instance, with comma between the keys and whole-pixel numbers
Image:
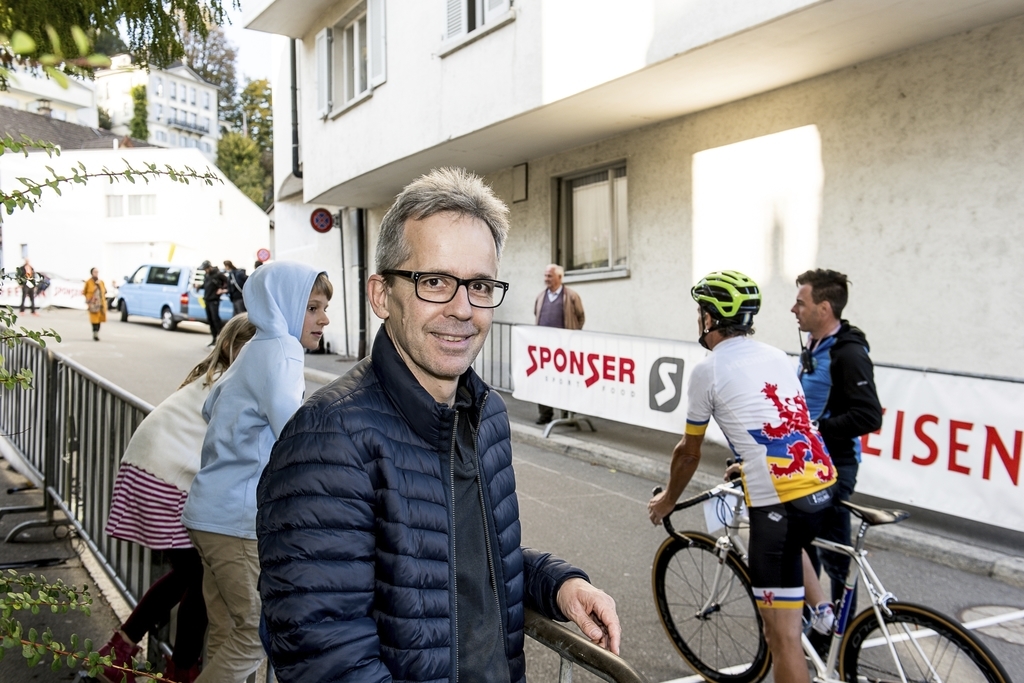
[{"x": 1005, "y": 568}]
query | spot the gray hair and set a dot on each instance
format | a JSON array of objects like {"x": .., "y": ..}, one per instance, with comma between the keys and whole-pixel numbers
[
  {"x": 454, "y": 190},
  {"x": 559, "y": 270}
]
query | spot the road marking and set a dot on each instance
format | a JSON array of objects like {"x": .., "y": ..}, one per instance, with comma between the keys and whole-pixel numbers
[
  {"x": 875, "y": 642},
  {"x": 698, "y": 679}
]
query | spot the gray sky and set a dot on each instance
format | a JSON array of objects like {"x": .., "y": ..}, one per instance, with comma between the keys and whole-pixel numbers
[{"x": 253, "y": 47}]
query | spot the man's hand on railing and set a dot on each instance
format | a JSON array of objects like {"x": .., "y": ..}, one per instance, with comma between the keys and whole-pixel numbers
[{"x": 593, "y": 611}]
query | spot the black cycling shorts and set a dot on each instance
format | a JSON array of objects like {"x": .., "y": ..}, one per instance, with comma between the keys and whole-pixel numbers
[{"x": 778, "y": 534}]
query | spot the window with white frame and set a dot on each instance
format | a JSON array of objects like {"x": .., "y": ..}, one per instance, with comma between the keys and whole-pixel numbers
[
  {"x": 161, "y": 136},
  {"x": 115, "y": 205},
  {"x": 192, "y": 95},
  {"x": 593, "y": 220},
  {"x": 173, "y": 90},
  {"x": 206, "y": 99},
  {"x": 159, "y": 111},
  {"x": 141, "y": 204},
  {"x": 466, "y": 16},
  {"x": 159, "y": 87},
  {"x": 351, "y": 56}
]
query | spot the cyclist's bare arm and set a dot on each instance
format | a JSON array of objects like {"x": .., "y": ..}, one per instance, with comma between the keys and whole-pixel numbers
[{"x": 685, "y": 458}]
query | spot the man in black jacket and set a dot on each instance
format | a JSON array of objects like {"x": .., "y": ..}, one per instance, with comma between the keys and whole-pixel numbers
[
  {"x": 388, "y": 524},
  {"x": 838, "y": 380},
  {"x": 214, "y": 285}
]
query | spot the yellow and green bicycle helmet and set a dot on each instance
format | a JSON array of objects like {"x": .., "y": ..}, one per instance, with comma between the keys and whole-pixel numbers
[{"x": 729, "y": 296}]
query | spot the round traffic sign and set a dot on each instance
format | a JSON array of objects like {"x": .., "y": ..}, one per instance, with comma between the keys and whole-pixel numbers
[
  {"x": 321, "y": 220},
  {"x": 263, "y": 255}
]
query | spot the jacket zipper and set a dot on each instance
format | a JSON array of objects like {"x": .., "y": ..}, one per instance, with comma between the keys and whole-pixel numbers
[
  {"x": 487, "y": 533},
  {"x": 455, "y": 586}
]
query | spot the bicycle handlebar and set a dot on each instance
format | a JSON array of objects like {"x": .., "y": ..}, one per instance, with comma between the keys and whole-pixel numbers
[{"x": 728, "y": 488}]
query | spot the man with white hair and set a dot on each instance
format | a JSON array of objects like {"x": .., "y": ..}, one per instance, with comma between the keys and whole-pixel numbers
[{"x": 556, "y": 306}]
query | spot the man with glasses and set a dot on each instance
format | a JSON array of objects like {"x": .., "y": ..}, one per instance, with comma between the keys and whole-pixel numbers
[
  {"x": 388, "y": 524},
  {"x": 838, "y": 380}
]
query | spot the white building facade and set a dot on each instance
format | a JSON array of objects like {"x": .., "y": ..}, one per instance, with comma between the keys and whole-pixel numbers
[
  {"x": 119, "y": 226},
  {"x": 33, "y": 91},
  {"x": 642, "y": 147},
  {"x": 182, "y": 106}
]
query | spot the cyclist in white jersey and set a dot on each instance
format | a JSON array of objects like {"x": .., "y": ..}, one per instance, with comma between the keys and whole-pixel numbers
[{"x": 755, "y": 396}]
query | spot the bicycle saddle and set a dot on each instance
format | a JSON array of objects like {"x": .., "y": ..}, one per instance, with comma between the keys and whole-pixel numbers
[{"x": 875, "y": 516}]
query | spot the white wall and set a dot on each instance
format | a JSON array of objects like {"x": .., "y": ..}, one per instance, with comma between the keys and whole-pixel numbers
[
  {"x": 72, "y": 233},
  {"x": 921, "y": 206}
]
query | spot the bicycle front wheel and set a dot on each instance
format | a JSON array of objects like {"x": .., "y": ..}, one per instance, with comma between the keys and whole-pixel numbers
[
  {"x": 929, "y": 647},
  {"x": 707, "y": 607}
]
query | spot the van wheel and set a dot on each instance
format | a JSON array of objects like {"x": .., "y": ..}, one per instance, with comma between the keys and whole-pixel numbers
[
  {"x": 123, "y": 307},
  {"x": 167, "y": 320}
]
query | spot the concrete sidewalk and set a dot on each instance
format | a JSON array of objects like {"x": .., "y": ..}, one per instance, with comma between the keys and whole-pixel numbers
[{"x": 972, "y": 547}]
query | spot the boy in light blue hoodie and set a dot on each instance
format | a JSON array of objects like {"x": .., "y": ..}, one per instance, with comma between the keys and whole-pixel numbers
[{"x": 246, "y": 411}]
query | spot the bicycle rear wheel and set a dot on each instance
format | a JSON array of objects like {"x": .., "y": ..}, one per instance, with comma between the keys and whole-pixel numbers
[
  {"x": 929, "y": 647},
  {"x": 715, "y": 625}
]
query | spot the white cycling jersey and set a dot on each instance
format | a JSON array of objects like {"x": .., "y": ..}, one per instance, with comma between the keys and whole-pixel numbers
[{"x": 754, "y": 394}]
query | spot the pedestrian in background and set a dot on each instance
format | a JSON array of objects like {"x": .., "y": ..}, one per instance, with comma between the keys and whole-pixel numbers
[
  {"x": 27, "y": 279},
  {"x": 838, "y": 379},
  {"x": 556, "y": 306},
  {"x": 149, "y": 494},
  {"x": 236, "y": 280},
  {"x": 96, "y": 297},
  {"x": 246, "y": 412},
  {"x": 214, "y": 285}
]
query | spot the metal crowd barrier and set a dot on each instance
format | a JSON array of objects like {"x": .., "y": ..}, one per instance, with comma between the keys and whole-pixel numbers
[
  {"x": 494, "y": 364},
  {"x": 69, "y": 432}
]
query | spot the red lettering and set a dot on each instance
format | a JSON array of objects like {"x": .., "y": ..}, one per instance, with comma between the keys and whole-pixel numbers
[
  {"x": 609, "y": 368},
  {"x": 865, "y": 447},
  {"x": 560, "y": 353},
  {"x": 545, "y": 356},
  {"x": 933, "y": 450},
  {"x": 955, "y": 446},
  {"x": 897, "y": 439},
  {"x": 993, "y": 442},
  {"x": 530, "y": 351},
  {"x": 626, "y": 366},
  {"x": 576, "y": 362},
  {"x": 592, "y": 364}
]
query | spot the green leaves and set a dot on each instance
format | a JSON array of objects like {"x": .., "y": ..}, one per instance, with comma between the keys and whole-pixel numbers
[{"x": 32, "y": 192}]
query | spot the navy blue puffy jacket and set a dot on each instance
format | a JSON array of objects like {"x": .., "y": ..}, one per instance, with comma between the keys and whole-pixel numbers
[{"x": 353, "y": 530}]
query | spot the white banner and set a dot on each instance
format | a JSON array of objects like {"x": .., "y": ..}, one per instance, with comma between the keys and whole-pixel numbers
[
  {"x": 628, "y": 379},
  {"x": 61, "y": 293},
  {"x": 948, "y": 443}
]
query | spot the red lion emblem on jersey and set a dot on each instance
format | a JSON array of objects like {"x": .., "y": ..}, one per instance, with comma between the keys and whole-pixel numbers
[{"x": 796, "y": 420}]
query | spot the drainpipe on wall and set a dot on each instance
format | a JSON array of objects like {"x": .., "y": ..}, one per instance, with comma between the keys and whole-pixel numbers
[
  {"x": 361, "y": 250},
  {"x": 295, "y": 117}
]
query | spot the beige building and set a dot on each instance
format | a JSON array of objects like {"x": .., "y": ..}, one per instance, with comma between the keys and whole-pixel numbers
[
  {"x": 641, "y": 147},
  {"x": 33, "y": 91},
  {"x": 182, "y": 106}
]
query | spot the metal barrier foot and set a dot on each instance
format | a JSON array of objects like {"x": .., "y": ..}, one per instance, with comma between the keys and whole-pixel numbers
[
  {"x": 12, "y": 537},
  {"x": 14, "y": 509},
  {"x": 572, "y": 420}
]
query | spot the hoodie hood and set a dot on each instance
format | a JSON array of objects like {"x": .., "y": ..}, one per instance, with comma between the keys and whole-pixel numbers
[
  {"x": 848, "y": 334},
  {"x": 276, "y": 295}
]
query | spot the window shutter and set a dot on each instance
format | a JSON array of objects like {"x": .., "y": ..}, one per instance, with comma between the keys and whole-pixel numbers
[
  {"x": 455, "y": 18},
  {"x": 377, "y": 41},
  {"x": 494, "y": 9},
  {"x": 323, "y": 72}
]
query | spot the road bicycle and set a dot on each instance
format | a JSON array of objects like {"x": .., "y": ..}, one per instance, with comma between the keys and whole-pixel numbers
[{"x": 706, "y": 604}]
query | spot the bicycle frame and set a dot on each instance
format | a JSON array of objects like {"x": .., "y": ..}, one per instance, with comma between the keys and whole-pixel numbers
[{"x": 825, "y": 670}]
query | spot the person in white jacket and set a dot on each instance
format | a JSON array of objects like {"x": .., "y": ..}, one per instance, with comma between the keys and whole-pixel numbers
[
  {"x": 246, "y": 411},
  {"x": 149, "y": 493}
]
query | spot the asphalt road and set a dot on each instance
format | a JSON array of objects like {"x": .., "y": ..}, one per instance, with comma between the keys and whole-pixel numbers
[{"x": 590, "y": 515}]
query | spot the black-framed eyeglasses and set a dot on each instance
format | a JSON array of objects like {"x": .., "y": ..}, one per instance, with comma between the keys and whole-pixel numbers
[{"x": 440, "y": 288}]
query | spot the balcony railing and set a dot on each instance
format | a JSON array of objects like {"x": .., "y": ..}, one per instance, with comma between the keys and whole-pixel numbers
[{"x": 185, "y": 125}]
